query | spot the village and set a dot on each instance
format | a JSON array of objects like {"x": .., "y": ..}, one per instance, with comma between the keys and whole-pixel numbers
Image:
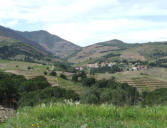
[{"x": 130, "y": 66}]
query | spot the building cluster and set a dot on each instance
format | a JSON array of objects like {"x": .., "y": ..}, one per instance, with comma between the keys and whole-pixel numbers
[
  {"x": 96, "y": 65},
  {"x": 138, "y": 68},
  {"x": 79, "y": 68},
  {"x": 134, "y": 67},
  {"x": 103, "y": 64}
]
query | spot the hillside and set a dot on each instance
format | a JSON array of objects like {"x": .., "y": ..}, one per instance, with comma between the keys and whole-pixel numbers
[
  {"x": 52, "y": 43},
  {"x": 146, "y": 52},
  {"x": 7, "y": 32},
  {"x": 150, "y": 79},
  {"x": 42, "y": 40},
  {"x": 117, "y": 50},
  {"x": 14, "y": 49},
  {"x": 96, "y": 51}
]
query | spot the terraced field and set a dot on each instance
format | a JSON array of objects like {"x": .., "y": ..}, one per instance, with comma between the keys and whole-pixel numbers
[
  {"x": 146, "y": 83},
  {"x": 150, "y": 79}
]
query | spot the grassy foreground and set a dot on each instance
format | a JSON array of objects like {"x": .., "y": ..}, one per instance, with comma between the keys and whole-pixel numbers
[{"x": 88, "y": 116}]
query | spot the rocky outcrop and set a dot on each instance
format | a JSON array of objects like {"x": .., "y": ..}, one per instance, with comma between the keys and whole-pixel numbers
[{"x": 6, "y": 113}]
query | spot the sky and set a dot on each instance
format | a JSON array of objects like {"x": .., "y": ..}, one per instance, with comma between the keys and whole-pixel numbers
[{"x": 85, "y": 22}]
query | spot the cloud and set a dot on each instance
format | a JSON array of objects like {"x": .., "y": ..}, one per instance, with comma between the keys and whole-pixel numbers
[{"x": 89, "y": 21}]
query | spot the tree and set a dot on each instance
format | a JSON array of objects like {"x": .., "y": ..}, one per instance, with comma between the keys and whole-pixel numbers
[
  {"x": 75, "y": 77},
  {"x": 53, "y": 73},
  {"x": 106, "y": 96},
  {"x": 63, "y": 76},
  {"x": 88, "y": 81},
  {"x": 45, "y": 73},
  {"x": 82, "y": 74}
]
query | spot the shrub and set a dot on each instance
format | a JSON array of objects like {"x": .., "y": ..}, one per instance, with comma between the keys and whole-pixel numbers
[
  {"x": 106, "y": 96},
  {"x": 9, "y": 89},
  {"x": 74, "y": 77},
  {"x": 33, "y": 84},
  {"x": 91, "y": 96},
  {"x": 47, "y": 95},
  {"x": 110, "y": 91},
  {"x": 156, "y": 97},
  {"x": 63, "y": 76},
  {"x": 88, "y": 82},
  {"x": 82, "y": 74},
  {"x": 45, "y": 72},
  {"x": 53, "y": 73}
]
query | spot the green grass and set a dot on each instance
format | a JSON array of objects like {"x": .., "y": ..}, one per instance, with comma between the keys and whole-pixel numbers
[
  {"x": 75, "y": 116},
  {"x": 22, "y": 67},
  {"x": 75, "y": 86}
]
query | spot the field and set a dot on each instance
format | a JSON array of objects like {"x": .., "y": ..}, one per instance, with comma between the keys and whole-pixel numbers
[
  {"x": 72, "y": 115},
  {"x": 144, "y": 80},
  {"x": 21, "y": 68},
  {"x": 150, "y": 79}
]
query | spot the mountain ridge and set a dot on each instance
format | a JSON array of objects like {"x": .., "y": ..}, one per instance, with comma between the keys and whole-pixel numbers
[
  {"x": 53, "y": 43},
  {"x": 116, "y": 50},
  {"x": 10, "y": 33},
  {"x": 42, "y": 40}
]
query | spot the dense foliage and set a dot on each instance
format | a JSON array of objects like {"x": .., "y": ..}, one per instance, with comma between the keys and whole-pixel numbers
[
  {"x": 10, "y": 49},
  {"x": 113, "y": 69},
  {"x": 159, "y": 63},
  {"x": 110, "y": 91},
  {"x": 156, "y": 97},
  {"x": 64, "y": 67},
  {"x": 47, "y": 95},
  {"x": 17, "y": 91}
]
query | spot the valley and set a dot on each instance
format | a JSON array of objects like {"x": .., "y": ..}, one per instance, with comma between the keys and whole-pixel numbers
[{"x": 48, "y": 81}]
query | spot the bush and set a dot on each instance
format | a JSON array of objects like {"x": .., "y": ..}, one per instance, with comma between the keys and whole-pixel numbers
[
  {"x": 113, "y": 69},
  {"x": 45, "y": 72},
  {"x": 88, "y": 82},
  {"x": 91, "y": 96},
  {"x": 63, "y": 76},
  {"x": 156, "y": 97},
  {"x": 9, "y": 89},
  {"x": 82, "y": 74},
  {"x": 34, "y": 84},
  {"x": 106, "y": 96},
  {"x": 53, "y": 73},
  {"x": 110, "y": 91},
  {"x": 47, "y": 95},
  {"x": 74, "y": 77}
]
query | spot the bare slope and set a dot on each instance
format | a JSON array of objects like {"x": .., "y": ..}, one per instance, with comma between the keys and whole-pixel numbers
[
  {"x": 116, "y": 49},
  {"x": 52, "y": 43}
]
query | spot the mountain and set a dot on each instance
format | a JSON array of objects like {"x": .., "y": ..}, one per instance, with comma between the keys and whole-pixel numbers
[
  {"x": 18, "y": 50},
  {"x": 114, "y": 50},
  {"x": 42, "y": 40},
  {"x": 150, "y": 51},
  {"x": 7, "y": 32},
  {"x": 98, "y": 50},
  {"x": 52, "y": 43}
]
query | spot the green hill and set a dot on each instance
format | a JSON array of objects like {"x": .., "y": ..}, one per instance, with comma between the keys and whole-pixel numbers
[
  {"x": 42, "y": 40},
  {"x": 118, "y": 50},
  {"x": 13, "y": 34},
  {"x": 13, "y": 49}
]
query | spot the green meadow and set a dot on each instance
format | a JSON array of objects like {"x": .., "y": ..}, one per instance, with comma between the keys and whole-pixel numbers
[{"x": 71, "y": 115}]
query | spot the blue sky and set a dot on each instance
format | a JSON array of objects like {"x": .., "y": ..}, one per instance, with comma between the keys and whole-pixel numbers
[{"x": 85, "y": 22}]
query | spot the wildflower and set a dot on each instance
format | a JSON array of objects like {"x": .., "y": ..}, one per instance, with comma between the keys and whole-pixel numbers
[
  {"x": 37, "y": 125},
  {"x": 84, "y": 126}
]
